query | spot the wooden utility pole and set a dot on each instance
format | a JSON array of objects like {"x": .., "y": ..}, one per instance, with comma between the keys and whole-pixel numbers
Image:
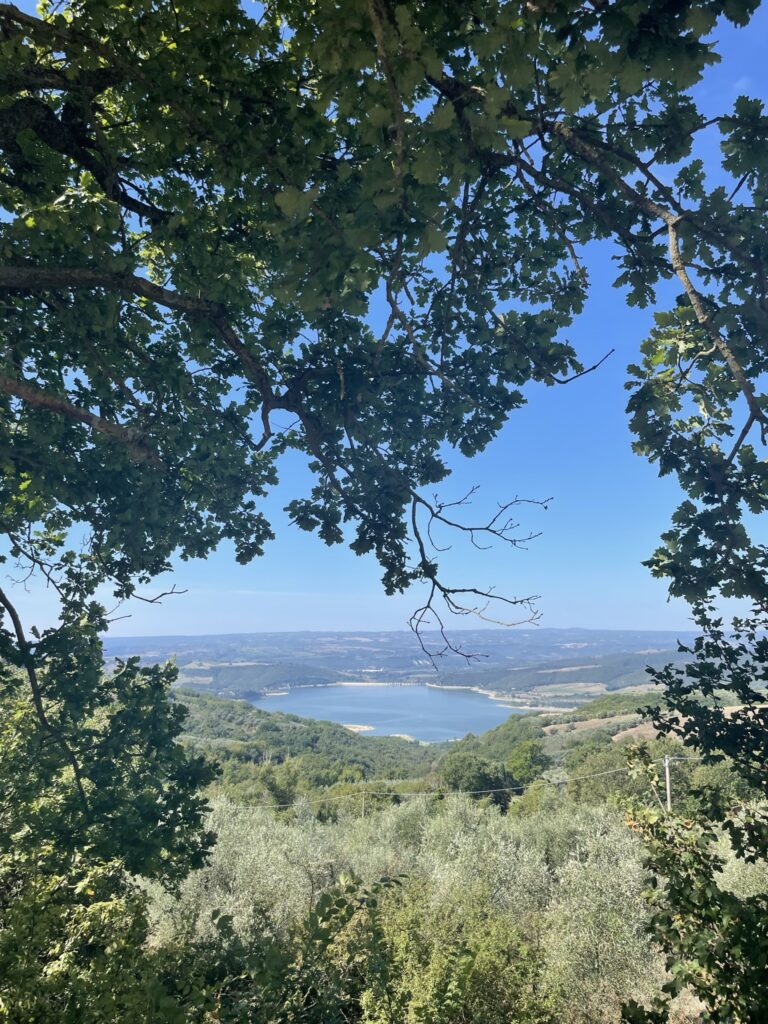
[{"x": 668, "y": 782}]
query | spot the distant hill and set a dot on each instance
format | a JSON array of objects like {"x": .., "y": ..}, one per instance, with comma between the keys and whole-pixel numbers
[
  {"x": 547, "y": 663},
  {"x": 252, "y": 679},
  {"x": 612, "y": 671}
]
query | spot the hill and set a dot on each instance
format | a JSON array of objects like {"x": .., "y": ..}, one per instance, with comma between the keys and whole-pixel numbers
[{"x": 285, "y": 756}]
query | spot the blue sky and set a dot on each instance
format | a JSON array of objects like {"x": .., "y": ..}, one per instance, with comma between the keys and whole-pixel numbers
[{"x": 570, "y": 442}]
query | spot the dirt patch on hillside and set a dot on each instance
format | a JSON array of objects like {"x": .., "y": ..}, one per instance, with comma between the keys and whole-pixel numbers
[{"x": 644, "y": 731}]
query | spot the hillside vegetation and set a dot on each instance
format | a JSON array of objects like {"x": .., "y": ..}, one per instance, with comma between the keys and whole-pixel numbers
[
  {"x": 276, "y": 759},
  {"x": 269, "y": 754},
  {"x": 423, "y": 905}
]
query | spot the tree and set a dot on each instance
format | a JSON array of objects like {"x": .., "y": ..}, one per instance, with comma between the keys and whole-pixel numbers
[
  {"x": 528, "y": 762},
  {"x": 94, "y": 788},
  {"x": 464, "y": 772},
  {"x": 200, "y": 212},
  {"x": 716, "y": 941}
]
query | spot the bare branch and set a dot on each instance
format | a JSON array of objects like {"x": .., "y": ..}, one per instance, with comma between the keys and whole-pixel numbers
[
  {"x": 497, "y": 528},
  {"x": 158, "y": 598},
  {"x": 36, "y": 561},
  {"x": 583, "y": 373},
  {"x": 460, "y": 600}
]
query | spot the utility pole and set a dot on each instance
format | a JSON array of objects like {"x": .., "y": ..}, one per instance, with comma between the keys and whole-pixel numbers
[{"x": 668, "y": 782}]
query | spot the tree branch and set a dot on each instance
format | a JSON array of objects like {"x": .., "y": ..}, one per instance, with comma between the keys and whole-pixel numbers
[
  {"x": 697, "y": 304},
  {"x": 130, "y": 438},
  {"x": 455, "y": 597},
  {"x": 31, "y": 278},
  {"x": 37, "y": 698},
  {"x": 583, "y": 373}
]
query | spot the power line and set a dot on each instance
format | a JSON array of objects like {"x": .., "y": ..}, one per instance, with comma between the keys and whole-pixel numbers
[{"x": 457, "y": 792}]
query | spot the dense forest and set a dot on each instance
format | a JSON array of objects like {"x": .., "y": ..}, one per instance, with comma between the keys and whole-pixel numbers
[{"x": 353, "y": 236}]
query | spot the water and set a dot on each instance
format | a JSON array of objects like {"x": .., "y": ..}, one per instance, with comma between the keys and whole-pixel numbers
[{"x": 421, "y": 712}]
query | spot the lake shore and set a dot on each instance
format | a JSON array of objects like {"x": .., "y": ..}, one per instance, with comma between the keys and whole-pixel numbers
[
  {"x": 499, "y": 696},
  {"x": 419, "y": 713}
]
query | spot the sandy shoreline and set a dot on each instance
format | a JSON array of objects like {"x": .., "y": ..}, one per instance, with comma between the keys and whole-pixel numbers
[
  {"x": 368, "y": 682},
  {"x": 496, "y": 695}
]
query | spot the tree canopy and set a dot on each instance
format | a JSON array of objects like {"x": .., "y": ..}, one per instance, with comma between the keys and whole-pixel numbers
[{"x": 204, "y": 209}]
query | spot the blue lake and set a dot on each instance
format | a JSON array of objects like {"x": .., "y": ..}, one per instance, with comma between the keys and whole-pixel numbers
[{"x": 421, "y": 712}]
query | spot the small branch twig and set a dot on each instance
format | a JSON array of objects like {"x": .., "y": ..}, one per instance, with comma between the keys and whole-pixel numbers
[
  {"x": 158, "y": 598},
  {"x": 583, "y": 373}
]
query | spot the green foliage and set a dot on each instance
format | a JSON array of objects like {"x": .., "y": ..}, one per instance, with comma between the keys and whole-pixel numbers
[
  {"x": 76, "y": 779},
  {"x": 497, "y": 744},
  {"x": 271, "y": 756},
  {"x": 714, "y": 938},
  {"x": 94, "y": 788},
  {"x": 72, "y": 947},
  {"x": 201, "y": 206},
  {"x": 99, "y": 773},
  {"x": 609, "y": 704},
  {"x": 596, "y": 926},
  {"x": 457, "y": 963},
  {"x": 716, "y": 941},
  {"x": 465, "y": 772},
  {"x": 538, "y": 919},
  {"x": 528, "y": 762}
]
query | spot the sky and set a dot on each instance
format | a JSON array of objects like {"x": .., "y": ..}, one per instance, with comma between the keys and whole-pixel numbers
[{"x": 570, "y": 443}]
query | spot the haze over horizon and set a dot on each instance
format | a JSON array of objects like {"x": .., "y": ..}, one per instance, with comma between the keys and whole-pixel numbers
[{"x": 299, "y": 631}]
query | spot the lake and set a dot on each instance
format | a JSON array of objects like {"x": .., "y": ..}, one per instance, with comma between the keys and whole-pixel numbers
[{"x": 421, "y": 712}]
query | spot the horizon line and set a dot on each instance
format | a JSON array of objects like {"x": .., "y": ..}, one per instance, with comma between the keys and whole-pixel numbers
[{"x": 368, "y": 632}]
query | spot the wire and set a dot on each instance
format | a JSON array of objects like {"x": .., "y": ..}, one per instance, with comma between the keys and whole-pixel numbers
[{"x": 456, "y": 792}]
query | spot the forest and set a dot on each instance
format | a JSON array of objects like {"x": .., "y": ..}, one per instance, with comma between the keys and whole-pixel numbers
[{"x": 354, "y": 235}]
